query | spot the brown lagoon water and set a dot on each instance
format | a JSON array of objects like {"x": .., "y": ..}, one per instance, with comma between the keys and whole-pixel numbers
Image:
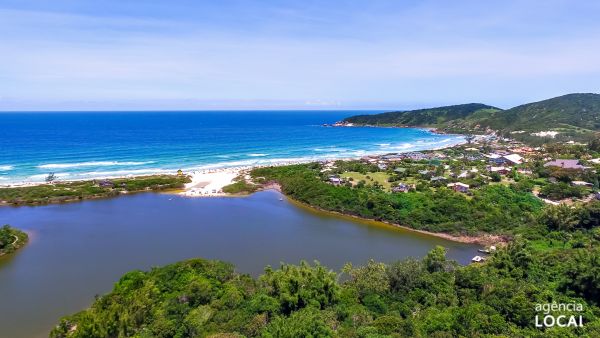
[{"x": 79, "y": 250}]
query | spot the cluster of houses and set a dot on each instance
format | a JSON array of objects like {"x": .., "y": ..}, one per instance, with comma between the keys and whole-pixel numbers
[{"x": 502, "y": 160}]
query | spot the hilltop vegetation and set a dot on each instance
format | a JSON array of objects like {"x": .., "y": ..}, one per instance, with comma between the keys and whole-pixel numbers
[
  {"x": 11, "y": 239},
  {"x": 80, "y": 190},
  {"x": 430, "y": 117},
  {"x": 573, "y": 116}
]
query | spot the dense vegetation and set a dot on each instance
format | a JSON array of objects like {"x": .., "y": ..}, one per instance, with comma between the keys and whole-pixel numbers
[
  {"x": 432, "y": 117},
  {"x": 11, "y": 239},
  {"x": 80, "y": 190},
  {"x": 239, "y": 186},
  {"x": 432, "y": 297},
  {"x": 574, "y": 116},
  {"x": 492, "y": 209},
  {"x": 572, "y": 111}
]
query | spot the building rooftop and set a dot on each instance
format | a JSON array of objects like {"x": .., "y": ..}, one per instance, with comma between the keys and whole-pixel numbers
[{"x": 567, "y": 164}]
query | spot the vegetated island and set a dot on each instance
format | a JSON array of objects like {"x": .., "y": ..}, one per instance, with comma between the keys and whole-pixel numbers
[
  {"x": 571, "y": 117},
  {"x": 11, "y": 239},
  {"x": 62, "y": 192}
]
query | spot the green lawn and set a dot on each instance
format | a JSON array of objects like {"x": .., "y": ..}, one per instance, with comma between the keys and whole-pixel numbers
[{"x": 380, "y": 177}]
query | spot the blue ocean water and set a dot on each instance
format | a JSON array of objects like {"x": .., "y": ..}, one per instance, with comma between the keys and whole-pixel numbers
[{"x": 107, "y": 144}]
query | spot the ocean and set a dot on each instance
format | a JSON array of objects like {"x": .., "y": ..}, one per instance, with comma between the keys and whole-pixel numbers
[{"x": 85, "y": 145}]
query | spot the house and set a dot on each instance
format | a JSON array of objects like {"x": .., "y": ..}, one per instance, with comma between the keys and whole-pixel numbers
[
  {"x": 565, "y": 164},
  {"x": 335, "y": 180},
  {"x": 598, "y": 195},
  {"x": 400, "y": 170},
  {"x": 499, "y": 170},
  {"x": 464, "y": 174},
  {"x": 402, "y": 187},
  {"x": 525, "y": 171},
  {"x": 581, "y": 184},
  {"x": 459, "y": 187},
  {"x": 437, "y": 178},
  {"x": 392, "y": 157},
  {"x": 423, "y": 172},
  {"x": 415, "y": 156},
  {"x": 502, "y": 158},
  {"x": 382, "y": 166},
  {"x": 513, "y": 159},
  {"x": 106, "y": 184},
  {"x": 475, "y": 157},
  {"x": 496, "y": 159},
  {"x": 523, "y": 150}
]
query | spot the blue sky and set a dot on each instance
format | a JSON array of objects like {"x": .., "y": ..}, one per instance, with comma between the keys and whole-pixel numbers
[{"x": 123, "y": 54}]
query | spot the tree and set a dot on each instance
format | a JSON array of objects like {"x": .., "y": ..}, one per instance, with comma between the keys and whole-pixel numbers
[
  {"x": 296, "y": 287},
  {"x": 583, "y": 275},
  {"x": 560, "y": 217},
  {"x": 50, "y": 178},
  {"x": 368, "y": 279},
  {"x": 436, "y": 261},
  {"x": 303, "y": 323}
]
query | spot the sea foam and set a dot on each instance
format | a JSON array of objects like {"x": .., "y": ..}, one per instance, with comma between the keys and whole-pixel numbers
[{"x": 91, "y": 164}]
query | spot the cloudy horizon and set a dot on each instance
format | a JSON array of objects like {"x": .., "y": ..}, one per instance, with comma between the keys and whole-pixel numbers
[{"x": 134, "y": 55}]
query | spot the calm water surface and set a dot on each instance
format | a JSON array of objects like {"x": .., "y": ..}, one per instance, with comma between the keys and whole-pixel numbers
[{"x": 79, "y": 250}]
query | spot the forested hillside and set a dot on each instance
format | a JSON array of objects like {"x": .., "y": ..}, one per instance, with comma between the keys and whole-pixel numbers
[
  {"x": 575, "y": 115},
  {"x": 432, "y": 117},
  {"x": 572, "y": 116}
]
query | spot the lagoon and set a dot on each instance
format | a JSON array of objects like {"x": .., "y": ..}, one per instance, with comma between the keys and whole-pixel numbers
[{"x": 79, "y": 250}]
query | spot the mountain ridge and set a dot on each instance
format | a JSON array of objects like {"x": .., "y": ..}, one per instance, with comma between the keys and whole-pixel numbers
[{"x": 573, "y": 116}]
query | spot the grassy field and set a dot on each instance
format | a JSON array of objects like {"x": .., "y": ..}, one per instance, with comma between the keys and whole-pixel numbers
[{"x": 379, "y": 177}]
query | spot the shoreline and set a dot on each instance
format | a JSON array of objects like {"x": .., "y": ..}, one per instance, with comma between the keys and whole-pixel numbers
[
  {"x": 206, "y": 168},
  {"x": 483, "y": 240},
  {"x": 210, "y": 182}
]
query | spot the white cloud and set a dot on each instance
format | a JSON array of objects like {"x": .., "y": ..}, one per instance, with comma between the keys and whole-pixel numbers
[{"x": 376, "y": 54}]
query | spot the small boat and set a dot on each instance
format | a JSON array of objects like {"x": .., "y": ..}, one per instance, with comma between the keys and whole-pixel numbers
[
  {"x": 485, "y": 251},
  {"x": 477, "y": 259},
  {"x": 281, "y": 198}
]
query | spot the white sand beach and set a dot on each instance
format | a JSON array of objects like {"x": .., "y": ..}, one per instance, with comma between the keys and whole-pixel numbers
[{"x": 210, "y": 182}]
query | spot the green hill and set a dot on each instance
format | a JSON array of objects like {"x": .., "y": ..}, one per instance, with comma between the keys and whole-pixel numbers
[
  {"x": 573, "y": 116},
  {"x": 430, "y": 117},
  {"x": 567, "y": 112}
]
